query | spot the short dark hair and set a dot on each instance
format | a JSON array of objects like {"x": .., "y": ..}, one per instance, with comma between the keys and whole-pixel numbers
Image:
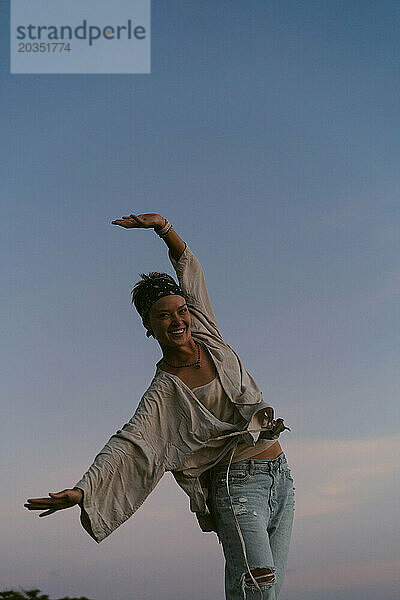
[{"x": 141, "y": 287}]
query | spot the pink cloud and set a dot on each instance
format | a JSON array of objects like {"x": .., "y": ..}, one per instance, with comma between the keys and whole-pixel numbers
[
  {"x": 333, "y": 476},
  {"x": 336, "y": 576}
]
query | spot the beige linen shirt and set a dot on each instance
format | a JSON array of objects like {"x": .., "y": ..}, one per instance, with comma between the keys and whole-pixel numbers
[{"x": 171, "y": 428}]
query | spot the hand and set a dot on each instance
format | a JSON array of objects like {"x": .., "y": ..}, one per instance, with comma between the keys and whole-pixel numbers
[
  {"x": 55, "y": 502},
  {"x": 141, "y": 221}
]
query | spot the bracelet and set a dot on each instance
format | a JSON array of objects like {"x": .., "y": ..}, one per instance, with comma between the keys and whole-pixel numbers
[
  {"x": 166, "y": 228},
  {"x": 163, "y": 227},
  {"x": 163, "y": 235}
]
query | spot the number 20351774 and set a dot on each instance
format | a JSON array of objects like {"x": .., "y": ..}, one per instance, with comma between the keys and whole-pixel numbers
[{"x": 44, "y": 47}]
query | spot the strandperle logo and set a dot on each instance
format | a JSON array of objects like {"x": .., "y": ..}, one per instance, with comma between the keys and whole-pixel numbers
[
  {"x": 80, "y": 36},
  {"x": 91, "y": 33}
]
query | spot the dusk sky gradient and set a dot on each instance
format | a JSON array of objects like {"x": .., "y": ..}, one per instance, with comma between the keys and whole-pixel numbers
[{"x": 268, "y": 132}]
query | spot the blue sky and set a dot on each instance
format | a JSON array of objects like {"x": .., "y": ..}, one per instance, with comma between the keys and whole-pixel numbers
[{"x": 268, "y": 133}]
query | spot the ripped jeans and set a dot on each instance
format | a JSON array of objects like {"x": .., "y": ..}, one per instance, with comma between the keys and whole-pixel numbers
[{"x": 262, "y": 497}]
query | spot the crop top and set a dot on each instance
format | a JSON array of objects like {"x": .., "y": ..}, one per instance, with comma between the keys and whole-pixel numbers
[{"x": 214, "y": 398}]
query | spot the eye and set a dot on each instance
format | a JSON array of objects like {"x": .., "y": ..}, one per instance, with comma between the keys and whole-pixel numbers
[{"x": 183, "y": 310}]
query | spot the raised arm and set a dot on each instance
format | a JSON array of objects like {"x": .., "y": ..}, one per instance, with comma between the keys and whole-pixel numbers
[
  {"x": 154, "y": 221},
  {"x": 187, "y": 267}
]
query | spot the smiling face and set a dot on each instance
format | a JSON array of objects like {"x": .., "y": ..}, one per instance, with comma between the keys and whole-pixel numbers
[{"x": 169, "y": 320}]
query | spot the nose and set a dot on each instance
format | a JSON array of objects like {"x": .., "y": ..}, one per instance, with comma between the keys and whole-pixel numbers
[{"x": 175, "y": 319}]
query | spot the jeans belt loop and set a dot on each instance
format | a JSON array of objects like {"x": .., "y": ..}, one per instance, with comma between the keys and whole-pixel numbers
[{"x": 251, "y": 467}]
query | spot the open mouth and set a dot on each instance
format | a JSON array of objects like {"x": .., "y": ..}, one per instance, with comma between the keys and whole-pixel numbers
[{"x": 178, "y": 332}]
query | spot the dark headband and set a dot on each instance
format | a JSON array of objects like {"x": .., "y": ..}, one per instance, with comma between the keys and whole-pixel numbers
[{"x": 154, "y": 289}]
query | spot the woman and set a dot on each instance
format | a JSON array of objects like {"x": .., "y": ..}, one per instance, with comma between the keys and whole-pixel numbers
[{"x": 204, "y": 419}]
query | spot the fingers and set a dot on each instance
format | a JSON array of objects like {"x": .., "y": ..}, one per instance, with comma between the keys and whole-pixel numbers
[
  {"x": 40, "y": 504},
  {"x": 61, "y": 494},
  {"x": 48, "y": 512},
  {"x": 138, "y": 220},
  {"x": 120, "y": 222},
  {"x": 56, "y": 501},
  {"x": 125, "y": 224},
  {"x": 128, "y": 222},
  {"x": 39, "y": 501}
]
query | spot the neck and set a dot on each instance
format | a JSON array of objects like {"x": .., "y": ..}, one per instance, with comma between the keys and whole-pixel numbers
[{"x": 181, "y": 355}]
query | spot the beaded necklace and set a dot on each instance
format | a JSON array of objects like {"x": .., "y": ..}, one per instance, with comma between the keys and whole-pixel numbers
[{"x": 194, "y": 364}]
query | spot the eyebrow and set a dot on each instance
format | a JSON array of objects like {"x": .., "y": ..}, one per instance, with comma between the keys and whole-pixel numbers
[{"x": 161, "y": 311}]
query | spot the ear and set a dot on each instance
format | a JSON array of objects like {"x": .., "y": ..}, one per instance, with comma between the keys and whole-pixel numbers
[{"x": 147, "y": 325}]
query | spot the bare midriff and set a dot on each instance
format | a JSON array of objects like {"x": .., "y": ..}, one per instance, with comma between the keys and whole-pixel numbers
[{"x": 270, "y": 453}]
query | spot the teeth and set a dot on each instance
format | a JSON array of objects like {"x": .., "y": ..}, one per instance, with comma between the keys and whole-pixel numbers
[{"x": 178, "y": 331}]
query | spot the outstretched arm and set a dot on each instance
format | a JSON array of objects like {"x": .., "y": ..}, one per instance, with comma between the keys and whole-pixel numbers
[{"x": 154, "y": 221}]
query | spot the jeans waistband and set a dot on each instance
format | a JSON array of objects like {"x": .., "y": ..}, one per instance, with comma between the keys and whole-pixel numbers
[{"x": 248, "y": 463}]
